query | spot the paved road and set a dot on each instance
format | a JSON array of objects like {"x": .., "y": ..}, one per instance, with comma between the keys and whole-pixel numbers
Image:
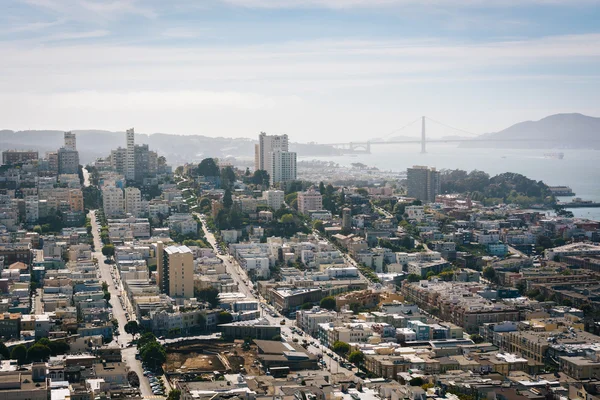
[{"x": 109, "y": 274}]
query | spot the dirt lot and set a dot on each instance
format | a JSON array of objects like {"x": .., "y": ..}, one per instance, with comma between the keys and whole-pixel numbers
[
  {"x": 194, "y": 362},
  {"x": 209, "y": 357}
]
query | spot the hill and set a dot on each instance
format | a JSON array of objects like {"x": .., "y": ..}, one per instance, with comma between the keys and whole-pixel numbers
[{"x": 567, "y": 131}]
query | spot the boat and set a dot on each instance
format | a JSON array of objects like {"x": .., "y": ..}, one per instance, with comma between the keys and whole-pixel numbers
[{"x": 556, "y": 156}]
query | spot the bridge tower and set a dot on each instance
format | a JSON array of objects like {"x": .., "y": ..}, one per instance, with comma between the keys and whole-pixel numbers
[
  {"x": 369, "y": 147},
  {"x": 423, "y": 142}
]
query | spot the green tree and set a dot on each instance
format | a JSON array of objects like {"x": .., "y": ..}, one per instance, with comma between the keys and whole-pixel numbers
[
  {"x": 174, "y": 394},
  {"x": 341, "y": 347},
  {"x": 489, "y": 273},
  {"x": 153, "y": 354},
  {"x": 38, "y": 352},
  {"x": 208, "y": 167},
  {"x": 418, "y": 381},
  {"x": 261, "y": 177},
  {"x": 227, "y": 177},
  {"x": 19, "y": 353},
  {"x": 476, "y": 338},
  {"x": 145, "y": 339},
  {"x": 287, "y": 219},
  {"x": 224, "y": 318},
  {"x": 4, "y": 353},
  {"x": 132, "y": 327},
  {"x": 413, "y": 278},
  {"x": 227, "y": 199},
  {"x": 318, "y": 225},
  {"x": 108, "y": 250},
  {"x": 104, "y": 286},
  {"x": 356, "y": 357},
  {"x": 307, "y": 306},
  {"x": 210, "y": 295},
  {"x": 328, "y": 303}
]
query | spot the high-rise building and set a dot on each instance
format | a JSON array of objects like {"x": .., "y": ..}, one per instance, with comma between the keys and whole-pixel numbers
[
  {"x": 175, "y": 267},
  {"x": 112, "y": 200},
  {"x": 423, "y": 183},
  {"x": 133, "y": 201},
  {"x": 76, "y": 200},
  {"x": 311, "y": 200},
  {"x": 70, "y": 141},
  {"x": 118, "y": 160},
  {"x": 68, "y": 161},
  {"x": 271, "y": 154},
  {"x": 346, "y": 218},
  {"x": 130, "y": 155},
  {"x": 282, "y": 167},
  {"x": 52, "y": 157}
]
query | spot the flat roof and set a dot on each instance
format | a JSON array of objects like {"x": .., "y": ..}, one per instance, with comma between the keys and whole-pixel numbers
[{"x": 177, "y": 249}]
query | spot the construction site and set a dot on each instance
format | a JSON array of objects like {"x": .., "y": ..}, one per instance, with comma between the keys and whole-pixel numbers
[{"x": 206, "y": 360}]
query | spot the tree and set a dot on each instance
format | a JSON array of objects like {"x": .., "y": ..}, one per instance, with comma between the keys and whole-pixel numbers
[
  {"x": 104, "y": 286},
  {"x": 38, "y": 352},
  {"x": 328, "y": 303},
  {"x": 489, "y": 273},
  {"x": 224, "y": 318},
  {"x": 58, "y": 347},
  {"x": 341, "y": 347},
  {"x": 413, "y": 278},
  {"x": 208, "y": 167},
  {"x": 4, "y": 351},
  {"x": 108, "y": 250},
  {"x": 227, "y": 177},
  {"x": 306, "y": 306},
  {"x": 227, "y": 200},
  {"x": 210, "y": 295},
  {"x": 318, "y": 225},
  {"x": 19, "y": 353},
  {"x": 132, "y": 327},
  {"x": 418, "y": 381},
  {"x": 544, "y": 242},
  {"x": 107, "y": 296},
  {"x": 146, "y": 339},
  {"x": 356, "y": 357},
  {"x": 261, "y": 177},
  {"x": 476, "y": 338},
  {"x": 174, "y": 394},
  {"x": 153, "y": 354}
]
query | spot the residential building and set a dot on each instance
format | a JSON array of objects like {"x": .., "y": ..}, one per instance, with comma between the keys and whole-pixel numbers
[
  {"x": 130, "y": 155},
  {"x": 266, "y": 145},
  {"x": 423, "y": 183},
  {"x": 76, "y": 200},
  {"x": 274, "y": 198},
  {"x": 175, "y": 265},
  {"x": 415, "y": 212},
  {"x": 18, "y": 156},
  {"x": 282, "y": 167},
  {"x": 112, "y": 198},
  {"x": 68, "y": 161},
  {"x": 183, "y": 224},
  {"x": 309, "y": 320},
  {"x": 133, "y": 201},
  {"x": 311, "y": 200}
]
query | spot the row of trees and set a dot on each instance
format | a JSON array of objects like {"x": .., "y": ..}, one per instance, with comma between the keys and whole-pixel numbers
[{"x": 38, "y": 352}]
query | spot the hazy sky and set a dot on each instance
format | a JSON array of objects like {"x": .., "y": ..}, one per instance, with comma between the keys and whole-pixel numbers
[{"x": 318, "y": 70}]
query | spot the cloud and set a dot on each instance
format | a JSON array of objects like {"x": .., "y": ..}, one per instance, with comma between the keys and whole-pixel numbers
[
  {"x": 347, "y": 4},
  {"x": 183, "y": 33},
  {"x": 94, "y": 10},
  {"x": 76, "y": 35}
]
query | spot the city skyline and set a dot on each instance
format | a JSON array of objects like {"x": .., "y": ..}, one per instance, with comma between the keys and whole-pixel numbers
[{"x": 310, "y": 69}]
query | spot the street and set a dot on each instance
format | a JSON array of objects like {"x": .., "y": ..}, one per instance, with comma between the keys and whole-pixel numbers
[
  {"x": 267, "y": 311},
  {"x": 118, "y": 311}
]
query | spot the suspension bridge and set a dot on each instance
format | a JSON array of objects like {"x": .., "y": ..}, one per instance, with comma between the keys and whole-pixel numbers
[{"x": 365, "y": 147}]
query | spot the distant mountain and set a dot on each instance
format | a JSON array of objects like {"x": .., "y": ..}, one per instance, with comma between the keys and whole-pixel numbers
[
  {"x": 178, "y": 149},
  {"x": 574, "y": 131}
]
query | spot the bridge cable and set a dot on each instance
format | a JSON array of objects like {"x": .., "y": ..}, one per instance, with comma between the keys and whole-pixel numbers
[
  {"x": 399, "y": 129},
  {"x": 451, "y": 127}
]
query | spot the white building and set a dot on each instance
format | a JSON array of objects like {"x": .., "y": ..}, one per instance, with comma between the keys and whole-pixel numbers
[
  {"x": 266, "y": 145},
  {"x": 274, "y": 198},
  {"x": 415, "y": 212},
  {"x": 32, "y": 210},
  {"x": 130, "y": 155},
  {"x": 310, "y": 200},
  {"x": 133, "y": 201},
  {"x": 282, "y": 167},
  {"x": 70, "y": 141},
  {"x": 112, "y": 198},
  {"x": 309, "y": 320},
  {"x": 183, "y": 224}
]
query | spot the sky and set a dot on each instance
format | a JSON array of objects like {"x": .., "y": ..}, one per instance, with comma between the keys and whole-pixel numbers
[{"x": 319, "y": 70}]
